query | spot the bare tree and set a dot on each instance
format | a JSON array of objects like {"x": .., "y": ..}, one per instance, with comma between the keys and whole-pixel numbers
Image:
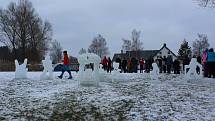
[
  {"x": 24, "y": 31},
  {"x": 126, "y": 45},
  {"x": 200, "y": 44},
  {"x": 82, "y": 51},
  {"x": 56, "y": 51},
  {"x": 99, "y": 46},
  {"x": 136, "y": 43},
  {"x": 207, "y": 3},
  {"x": 8, "y": 28}
]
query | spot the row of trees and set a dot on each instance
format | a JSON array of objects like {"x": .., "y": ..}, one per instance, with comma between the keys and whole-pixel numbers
[
  {"x": 99, "y": 44},
  {"x": 24, "y": 32},
  {"x": 198, "y": 46}
]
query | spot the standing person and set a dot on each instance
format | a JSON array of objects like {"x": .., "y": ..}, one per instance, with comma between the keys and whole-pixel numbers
[
  {"x": 124, "y": 65},
  {"x": 141, "y": 62},
  {"x": 160, "y": 64},
  {"x": 164, "y": 64},
  {"x": 169, "y": 64},
  {"x": 176, "y": 66},
  {"x": 109, "y": 66},
  {"x": 211, "y": 63},
  {"x": 104, "y": 63},
  {"x": 66, "y": 65},
  {"x": 204, "y": 62},
  {"x": 129, "y": 66},
  {"x": 134, "y": 62}
]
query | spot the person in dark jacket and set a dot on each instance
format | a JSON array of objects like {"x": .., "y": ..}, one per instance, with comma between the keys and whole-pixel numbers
[
  {"x": 124, "y": 65},
  {"x": 211, "y": 63},
  {"x": 164, "y": 64},
  {"x": 66, "y": 65},
  {"x": 176, "y": 66},
  {"x": 109, "y": 65},
  {"x": 134, "y": 62},
  {"x": 169, "y": 63},
  {"x": 160, "y": 64}
]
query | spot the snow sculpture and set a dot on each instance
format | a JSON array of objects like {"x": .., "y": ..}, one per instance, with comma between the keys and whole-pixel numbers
[
  {"x": 89, "y": 77},
  {"x": 47, "y": 64},
  {"x": 116, "y": 67},
  {"x": 192, "y": 74},
  {"x": 155, "y": 72},
  {"x": 21, "y": 70}
]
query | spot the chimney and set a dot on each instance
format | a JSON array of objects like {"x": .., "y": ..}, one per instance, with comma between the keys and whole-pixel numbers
[{"x": 164, "y": 44}]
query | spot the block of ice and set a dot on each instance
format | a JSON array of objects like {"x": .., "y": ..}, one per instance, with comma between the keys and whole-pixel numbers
[
  {"x": 192, "y": 73},
  {"x": 155, "y": 72},
  {"x": 87, "y": 77},
  {"x": 48, "y": 69},
  {"x": 21, "y": 70}
]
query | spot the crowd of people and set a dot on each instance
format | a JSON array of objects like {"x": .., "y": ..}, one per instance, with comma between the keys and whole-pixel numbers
[
  {"x": 165, "y": 64},
  {"x": 208, "y": 62},
  {"x": 132, "y": 65}
]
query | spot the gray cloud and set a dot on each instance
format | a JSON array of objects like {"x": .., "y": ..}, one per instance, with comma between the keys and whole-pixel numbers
[{"x": 75, "y": 23}]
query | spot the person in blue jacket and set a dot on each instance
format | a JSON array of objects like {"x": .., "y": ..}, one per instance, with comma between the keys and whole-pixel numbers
[{"x": 211, "y": 63}]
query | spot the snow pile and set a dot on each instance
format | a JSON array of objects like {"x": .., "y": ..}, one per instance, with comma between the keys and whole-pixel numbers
[
  {"x": 48, "y": 69},
  {"x": 87, "y": 77},
  {"x": 21, "y": 70},
  {"x": 155, "y": 72},
  {"x": 192, "y": 74}
]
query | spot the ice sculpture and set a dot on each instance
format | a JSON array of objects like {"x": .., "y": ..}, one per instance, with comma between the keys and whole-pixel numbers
[
  {"x": 116, "y": 67},
  {"x": 48, "y": 69},
  {"x": 192, "y": 74},
  {"x": 155, "y": 72},
  {"x": 21, "y": 70},
  {"x": 89, "y": 77}
]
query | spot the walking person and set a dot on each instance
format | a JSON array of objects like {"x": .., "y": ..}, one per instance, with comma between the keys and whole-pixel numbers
[
  {"x": 66, "y": 65},
  {"x": 109, "y": 65}
]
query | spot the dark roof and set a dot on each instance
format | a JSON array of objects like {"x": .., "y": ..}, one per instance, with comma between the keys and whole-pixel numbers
[{"x": 146, "y": 54}]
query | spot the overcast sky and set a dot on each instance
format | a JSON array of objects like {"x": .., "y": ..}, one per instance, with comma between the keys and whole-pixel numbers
[{"x": 76, "y": 22}]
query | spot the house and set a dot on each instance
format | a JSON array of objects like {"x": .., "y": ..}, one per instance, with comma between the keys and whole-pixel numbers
[{"x": 145, "y": 54}]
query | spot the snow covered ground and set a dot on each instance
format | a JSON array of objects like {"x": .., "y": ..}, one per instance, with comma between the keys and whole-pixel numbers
[{"x": 132, "y": 97}]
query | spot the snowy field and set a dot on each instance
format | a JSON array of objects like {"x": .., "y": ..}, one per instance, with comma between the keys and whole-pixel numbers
[{"x": 122, "y": 97}]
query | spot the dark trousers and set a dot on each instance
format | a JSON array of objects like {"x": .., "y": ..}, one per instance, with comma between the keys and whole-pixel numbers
[
  {"x": 211, "y": 69},
  {"x": 63, "y": 71},
  {"x": 169, "y": 69},
  {"x": 124, "y": 69},
  {"x": 205, "y": 66},
  {"x": 141, "y": 68},
  {"x": 164, "y": 68},
  {"x": 109, "y": 69}
]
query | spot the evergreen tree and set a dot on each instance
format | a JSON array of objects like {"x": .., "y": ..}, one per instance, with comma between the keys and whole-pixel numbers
[{"x": 184, "y": 51}]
